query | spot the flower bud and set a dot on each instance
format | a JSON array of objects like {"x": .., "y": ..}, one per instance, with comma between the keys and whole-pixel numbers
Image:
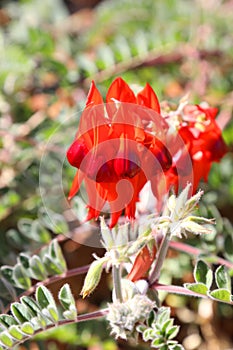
[{"x": 93, "y": 277}]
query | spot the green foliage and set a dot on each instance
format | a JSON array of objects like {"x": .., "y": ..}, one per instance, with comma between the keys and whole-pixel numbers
[
  {"x": 204, "y": 279},
  {"x": 160, "y": 330},
  {"x": 30, "y": 316},
  {"x": 50, "y": 262}
]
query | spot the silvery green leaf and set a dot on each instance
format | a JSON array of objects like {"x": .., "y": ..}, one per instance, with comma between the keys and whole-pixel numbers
[
  {"x": 203, "y": 273},
  {"x": 52, "y": 266},
  {"x": 157, "y": 343},
  {"x": 56, "y": 253},
  {"x": 20, "y": 277},
  {"x": 199, "y": 288},
  {"x": 39, "y": 232},
  {"x": 53, "y": 313},
  {"x": 6, "y": 339},
  {"x": 37, "y": 268},
  {"x": 172, "y": 332},
  {"x": 44, "y": 297},
  {"x": 7, "y": 272},
  {"x": 70, "y": 314},
  {"x": 221, "y": 295},
  {"x": 65, "y": 297},
  {"x": 222, "y": 278},
  {"x": 27, "y": 328},
  {"x": 106, "y": 234},
  {"x": 24, "y": 260},
  {"x": 195, "y": 228},
  {"x": 163, "y": 315},
  {"x": 31, "y": 304},
  {"x": 21, "y": 312},
  {"x": 15, "y": 332},
  {"x": 167, "y": 324},
  {"x": 7, "y": 320}
]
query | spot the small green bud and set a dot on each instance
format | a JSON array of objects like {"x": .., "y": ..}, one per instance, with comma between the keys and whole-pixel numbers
[{"x": 93, "y": 277}]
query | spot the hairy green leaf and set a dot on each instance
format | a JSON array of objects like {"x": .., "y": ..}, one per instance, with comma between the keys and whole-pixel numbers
[
  {"x": 15, "y": 332},
  {"x": 27, "y": 328},
  {"x": 66, "y": 297},
  {"x": 37, "y": 268},
  {"x": 221, "y": 295},
  {"x": 44, "y": 297},
  {"x": 21, "y": 312},
  {"x": 203, "y": 273},
  {"x": 222, "y": 278},
  {"x": 199, "y": 288},
  {"x": 20, "y": 277},
  {"x": 7, "y": 320},
  {"x": 6, "y": 339}
]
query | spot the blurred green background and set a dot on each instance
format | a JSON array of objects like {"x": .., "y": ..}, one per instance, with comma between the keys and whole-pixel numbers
[{"x": 50, "y": 51}]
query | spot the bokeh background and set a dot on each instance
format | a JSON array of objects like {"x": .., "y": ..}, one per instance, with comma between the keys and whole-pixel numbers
[{"x": 50, "y": 51}]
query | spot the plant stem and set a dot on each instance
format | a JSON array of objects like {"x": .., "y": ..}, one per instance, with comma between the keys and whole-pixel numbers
[
  {"x": 50, "y": 280},
  {"x": 116, "y": 275},
  {"x": 80, "y": 318},
  {"x": 177, "y": 290},
  {"x": 186, "y": 248},
  {"x": 155, "y": 273}
]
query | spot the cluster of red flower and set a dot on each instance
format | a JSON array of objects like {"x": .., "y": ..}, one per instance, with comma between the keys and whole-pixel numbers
[{"x": 128, "y": 141}]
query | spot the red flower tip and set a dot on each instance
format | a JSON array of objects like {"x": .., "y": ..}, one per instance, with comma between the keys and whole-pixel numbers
[
  {"x": 119, "y": 90},
  {"x": 94, "y": 97},
  {"x": 76, "y": 153},
  {"x": 147, "y": 97}
]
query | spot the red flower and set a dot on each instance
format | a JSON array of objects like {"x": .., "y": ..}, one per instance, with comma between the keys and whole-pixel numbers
[
  {"x": 118, "y": 148},
  {"x": 203, "y": 139}
]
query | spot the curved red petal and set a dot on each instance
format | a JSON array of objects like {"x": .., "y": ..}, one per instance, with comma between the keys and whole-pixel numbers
[
  {"x": 142, "y": 263},
  {"x": 76, "y": 184},
  {"x": 114, "y": 218},
  {"x": 148, "y": 98},
  {"x": 94, "y": 97},
  {"x": 119, "y": 90}
]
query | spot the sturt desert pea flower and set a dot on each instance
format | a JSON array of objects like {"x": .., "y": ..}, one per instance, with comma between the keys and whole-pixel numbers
[
  {"x": 119, "y": 146},
  {"x": 203, "y": 139}
]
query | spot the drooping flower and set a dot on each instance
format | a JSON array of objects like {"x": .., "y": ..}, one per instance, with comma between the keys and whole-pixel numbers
[
  {"x": 203, "y": 139},
  {"x": 118, "y": 148},
  {"x": 132, "y": 139}
]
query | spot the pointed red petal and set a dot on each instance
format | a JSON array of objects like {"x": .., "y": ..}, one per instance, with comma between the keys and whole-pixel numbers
[
  {"x": 147, "y": 97},
  {"x": 76, "y": 184},
  {"x": 94, "y": 97},
  {"x": 114, "y": 218},
  {"x": 120, "y": 91},
  {"x": 92, "y": 214},
  {"x": 141, "y": 264}
]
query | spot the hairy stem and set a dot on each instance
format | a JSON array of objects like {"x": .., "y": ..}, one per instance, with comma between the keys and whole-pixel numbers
[
  {"x": 80, "y": 318},
  {"x": 116, "y": 275},
  {"x": 155, "y": 273},
  {"x": 186, "y": 248},
  {"x": 50, "y": 280}
]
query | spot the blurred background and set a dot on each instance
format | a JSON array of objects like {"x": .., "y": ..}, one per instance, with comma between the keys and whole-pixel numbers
[{"x": 50, "y": 51}]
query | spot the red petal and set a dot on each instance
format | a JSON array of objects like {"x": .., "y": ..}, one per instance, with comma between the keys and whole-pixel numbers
[
  {"x": 210, "y": 112},
  {"x": 114, "y": 218},
  {"x": 141, "y": 265},
  {"x": 94, "y": 97},
  {"x": 120, "y": 91},
  {"x": 76, "y": 184},
  {"x": 76, "y": 153},
  {"x": 147, "y": 97}
]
